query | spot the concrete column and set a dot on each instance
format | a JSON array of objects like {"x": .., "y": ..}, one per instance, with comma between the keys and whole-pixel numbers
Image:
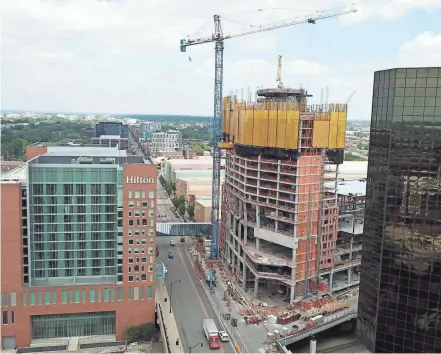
[
  {"x": 331, "y": 279},
  {"x": 256, "y": 286},
  {"x": 293, "y": 276},
  {"x": 258, "y": 215},
  {"x": 244, "y": 273},
  {"x": 257, "y": 244},
  {"x": 349, "y": 276}
]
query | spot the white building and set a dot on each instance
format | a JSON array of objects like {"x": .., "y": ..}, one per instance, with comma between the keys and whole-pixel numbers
[{"x": 165, "y": 142}]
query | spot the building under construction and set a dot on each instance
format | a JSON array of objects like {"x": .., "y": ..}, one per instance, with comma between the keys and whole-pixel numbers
[{"x": 279, "y": 221}]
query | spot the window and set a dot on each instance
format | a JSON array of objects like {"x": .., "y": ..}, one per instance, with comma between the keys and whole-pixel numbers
[
  {"x": 137, "y": 195},
  {"x": 151, "y": 232},
  {"x": 130, "y": 213},
  {"x": 47, "y": 297},
  {"x": 144, "y": 203},
  {"x": 5, "y": 299},
  {"x": 131, "y": 203},
  {"x": 152, "y": 204},
  {"x": 12, "y": 317},
  {"x": 143, "y": 277},
  {"x": 99, "y": 295},
  {"x": 151, "y": 213},
  {"x": 130, "y": 232},
  {"x": 130, "y": 222},
  {"x": 130, "y": 277},
  {"x": 131, "y": 242},
  {"x": 143, "y": 192},
  {"x": 150, "y": 269},
  {"x": 84, "y": 296},
  {"x": 150, "y": 292},
  {"x": 129, "y": 294},
  {"x": 142, "y": 292},
  {"x": 77, "y": 296},
  {"x": 40, "y": 298},
  {"x": 120, "y": 294},
  {"x": 13, "y": 299},
  {"x": 106, "y": 295},
  {"x": 64, "y": 296},
  {"x": 130, "y": 194},
  {"x": 130, "y": 260},
  {"x": 150, "y": 250},
  {"x": 144, "y": 260},
  {"x": 151, "y": 194},
  {"x": 54, "y": 297},
  {"x": 5, "y": 317},
  {"x": 92, "y": 295},
  {"x": 25, "y": 299},
  {"x": 112, "y": 295}
]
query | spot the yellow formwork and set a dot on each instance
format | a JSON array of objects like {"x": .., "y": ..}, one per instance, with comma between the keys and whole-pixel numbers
[
  {"x": 276, "y": 124},
  {"x": 272, "y": 128},
  {"x": 292, "y": 129},
  {"x": 281, "y": 129}
]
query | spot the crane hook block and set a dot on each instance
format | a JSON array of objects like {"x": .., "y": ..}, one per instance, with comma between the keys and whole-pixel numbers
[{"x": 183, "y": 45}]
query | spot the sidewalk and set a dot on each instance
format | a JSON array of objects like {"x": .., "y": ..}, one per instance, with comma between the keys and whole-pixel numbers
[{"x": 168, "y": 318}]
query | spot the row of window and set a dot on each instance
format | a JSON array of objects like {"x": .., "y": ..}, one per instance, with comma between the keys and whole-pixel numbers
[
  {"x": 80, "y": 295},
  {"x": 141, "y": 194},
  {"x": 137, "y": 232},
  {"x": 138, "y": 213}
]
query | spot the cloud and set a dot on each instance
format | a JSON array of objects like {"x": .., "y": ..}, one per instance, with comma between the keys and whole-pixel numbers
[
  {"x": 423, "y": 50},
  {"x": 123, "y": 55}
]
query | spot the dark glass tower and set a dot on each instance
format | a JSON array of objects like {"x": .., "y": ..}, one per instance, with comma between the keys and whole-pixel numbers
[{"x": 400, "y": 290}]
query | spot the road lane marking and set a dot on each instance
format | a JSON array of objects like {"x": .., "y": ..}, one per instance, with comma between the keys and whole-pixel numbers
[{"x": 194, "y": 286}]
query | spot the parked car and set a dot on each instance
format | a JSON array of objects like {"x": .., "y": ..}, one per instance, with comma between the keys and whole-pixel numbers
[
  {"x": 165, "y": 270},
  {"x": 170, "y": 255}
]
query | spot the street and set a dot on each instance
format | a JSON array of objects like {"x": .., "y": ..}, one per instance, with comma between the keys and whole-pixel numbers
[
  {"x": 189, "y": 301},
  {"x": 164, "y": 205}
]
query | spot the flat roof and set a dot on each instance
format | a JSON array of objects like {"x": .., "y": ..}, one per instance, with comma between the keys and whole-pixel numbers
[
  {"x": 14, "y": 175},
  {"x": 352, "y": 187},
  {"x": 111, "y": 137},
  {"x": 204, "y": 202},
  {"x": 86, "y": 151}
]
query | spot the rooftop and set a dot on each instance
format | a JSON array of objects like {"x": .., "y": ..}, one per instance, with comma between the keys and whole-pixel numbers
[
  {"x": 111, "y": 137},
  {"x": 85, "y": 151},
  {"x": 352, "y": 187},
  {"x": 15, "y": 175},
  {"x": 204, "y": 202}
]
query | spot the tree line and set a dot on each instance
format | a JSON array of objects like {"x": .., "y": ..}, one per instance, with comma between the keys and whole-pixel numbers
[
  {"x": 17, "y": 134},
  {"x": 180, "y": 203}
]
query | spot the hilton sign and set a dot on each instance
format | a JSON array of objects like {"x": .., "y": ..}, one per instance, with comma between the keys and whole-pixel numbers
[{"x": 140, "y": 180}]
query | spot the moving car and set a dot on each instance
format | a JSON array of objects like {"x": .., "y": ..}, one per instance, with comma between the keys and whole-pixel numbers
[
  {"x": 170, "y": 255},
  {"x": 211, "y": 333},
  {"x": 172, "y": 242},
  {"x": 223, "y": 336},
  {"x": 165, "y": 270}
]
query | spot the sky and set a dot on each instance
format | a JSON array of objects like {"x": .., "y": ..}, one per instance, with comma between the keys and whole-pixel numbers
[{"x": 123, "y": 56}]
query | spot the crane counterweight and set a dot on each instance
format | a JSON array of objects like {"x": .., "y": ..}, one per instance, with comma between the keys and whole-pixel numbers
[{"x": 218, "y": 141}]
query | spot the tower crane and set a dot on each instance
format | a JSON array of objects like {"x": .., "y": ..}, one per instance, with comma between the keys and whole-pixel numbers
[
  {"x": 218, "y": 140},
  {"x": 279, "y": 72}
]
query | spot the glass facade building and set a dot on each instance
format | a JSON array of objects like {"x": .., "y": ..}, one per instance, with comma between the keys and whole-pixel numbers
[
  {"x": 74, "y": 224},
  {"x": 400, "y": 285}
]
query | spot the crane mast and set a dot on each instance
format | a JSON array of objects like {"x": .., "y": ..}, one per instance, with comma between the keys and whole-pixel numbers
[
  {"x": 279, "y": 72},
  {"x": 217, "y": 138}
]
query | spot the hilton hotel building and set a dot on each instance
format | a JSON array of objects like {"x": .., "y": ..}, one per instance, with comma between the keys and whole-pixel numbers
[{"x": 78, "y": 240}]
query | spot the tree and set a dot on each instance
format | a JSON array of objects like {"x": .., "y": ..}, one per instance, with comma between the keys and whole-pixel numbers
[
  {"x": 173, "y": 188},
  {"x": 190, "y": 211},
  {"x": 182, "y": 208},
  {"x": 360, "y": 146},
  {"x": 144, "y": 331},
  {"x": 178, "y": 201}
]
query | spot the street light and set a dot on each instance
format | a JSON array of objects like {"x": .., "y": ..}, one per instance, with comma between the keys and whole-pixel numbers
[
  {"x": 194, "y": 346},
  {"x": 171, "y": 292}
]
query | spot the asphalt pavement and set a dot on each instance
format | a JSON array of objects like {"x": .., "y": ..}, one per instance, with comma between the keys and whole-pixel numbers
[{"x": 188, "y": 299}]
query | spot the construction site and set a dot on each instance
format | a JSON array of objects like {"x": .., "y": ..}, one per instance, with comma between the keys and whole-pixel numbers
[{"x": 280, "y": 258}]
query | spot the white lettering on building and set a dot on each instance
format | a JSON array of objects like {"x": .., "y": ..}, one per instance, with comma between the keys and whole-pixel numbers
[{"x": 139, "y": 180}]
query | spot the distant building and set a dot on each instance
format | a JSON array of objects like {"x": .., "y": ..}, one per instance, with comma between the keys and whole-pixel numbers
[
  {"x": 111, "y": 134},
  {"x": 112, "y": 128},
  {"x": 72, "y": 263},
  {"x": 147, "y": 128},
  {"x": 166, "y": 142}
]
